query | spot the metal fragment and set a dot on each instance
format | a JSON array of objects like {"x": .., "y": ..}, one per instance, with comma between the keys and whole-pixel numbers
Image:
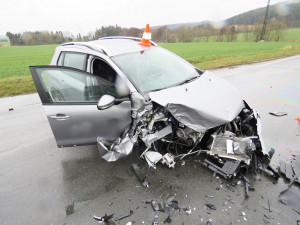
[
  {"x": 278, "y": 114},
  {"x": 290, "y": 198},
  {"x": 124, "y": 216}
]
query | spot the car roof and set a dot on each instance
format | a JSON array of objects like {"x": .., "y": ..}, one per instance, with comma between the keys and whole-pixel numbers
[{"x": 112, "y": 46}]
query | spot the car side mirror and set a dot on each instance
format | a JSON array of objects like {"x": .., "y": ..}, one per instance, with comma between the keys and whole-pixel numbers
[{"x": 106, "y": 101}]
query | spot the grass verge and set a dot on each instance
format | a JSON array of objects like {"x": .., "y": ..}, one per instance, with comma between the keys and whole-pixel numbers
[
  {"x": 214, "y": 55},
  {"x": 16, "y": 86}
]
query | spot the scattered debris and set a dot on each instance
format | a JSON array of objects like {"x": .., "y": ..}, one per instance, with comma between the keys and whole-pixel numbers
[
  {"x": 269, "y": 206},
  {"x": 124, "y": 216},
  {"x": 290, "y": 198},
  {"x": 108, "y": 220},
  {"x": 11, "y": 109},
  {"x": 141, "y": 174},
  {"x": 169, "y": 206},
  {"x": 291, "y": 170},
  {"x": 155, "y": 221},
  {"x": 228, "y": 170},
  {"x": 158, "y": 206},
  {"x": 211, "y": 206},
  {"x": 278, "y": 114}
]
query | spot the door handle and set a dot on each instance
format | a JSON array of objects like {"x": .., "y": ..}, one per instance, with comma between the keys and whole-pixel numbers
[{"x": 60, "y": 117}]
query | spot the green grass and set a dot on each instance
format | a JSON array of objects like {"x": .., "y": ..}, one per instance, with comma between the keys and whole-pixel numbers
[
  {"x": 4, "y": 43},
  {"x": 14, "y": 61},
  {"x": 212, "y": 55},
  {"x": 292, "y": 34}
]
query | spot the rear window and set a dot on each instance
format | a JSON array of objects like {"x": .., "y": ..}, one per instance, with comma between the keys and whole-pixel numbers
[{"x": 72, "y": 59}]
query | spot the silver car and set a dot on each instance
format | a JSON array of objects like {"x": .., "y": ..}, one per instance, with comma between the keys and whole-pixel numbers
[{"x": 120, "y": 94}]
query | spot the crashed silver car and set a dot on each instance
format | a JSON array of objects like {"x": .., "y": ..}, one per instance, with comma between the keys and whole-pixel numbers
[{"x": 126, "y": 95}]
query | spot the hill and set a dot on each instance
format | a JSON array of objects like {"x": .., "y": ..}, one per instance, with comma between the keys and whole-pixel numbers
[{"x": 288, "y": 12}]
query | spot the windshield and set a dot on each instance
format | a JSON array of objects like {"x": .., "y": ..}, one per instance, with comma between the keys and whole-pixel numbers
[{"x": 154, "y": 69}]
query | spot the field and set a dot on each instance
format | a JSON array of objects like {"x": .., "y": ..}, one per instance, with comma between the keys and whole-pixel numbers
[
  {"x": 210, "y": 55},
  {"x": 4, "y": 41},
  {"x": 292, "y": 34},
  {"x": 14, "y": 61}
]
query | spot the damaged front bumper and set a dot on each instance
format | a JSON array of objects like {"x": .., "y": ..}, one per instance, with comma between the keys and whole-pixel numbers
[{"x": 169, "y": 129}]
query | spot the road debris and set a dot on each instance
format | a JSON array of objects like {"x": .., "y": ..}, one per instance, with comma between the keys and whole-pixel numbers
[
  {"x": 124, "y": 216},
  {"x": 278, "y": 114},
  {"x": 109, "y": 220},
  {"x": 106, "y": 219},
  {"x": 211, "y": 206},
  {"x": 291, "y": 198},
  {"x": 158, "y": 206},
  {"x": 291, "y": 170},
  {"x": 141, "y": 173}
]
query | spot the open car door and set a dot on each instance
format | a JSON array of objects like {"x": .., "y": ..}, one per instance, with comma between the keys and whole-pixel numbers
[{"x": 69, "y": 97}]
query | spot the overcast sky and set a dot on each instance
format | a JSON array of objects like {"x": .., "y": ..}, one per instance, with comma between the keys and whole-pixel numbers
[{"x": 82, "y": 16}]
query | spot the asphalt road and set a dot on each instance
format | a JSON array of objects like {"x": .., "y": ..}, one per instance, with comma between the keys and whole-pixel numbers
[{"x": 41, "y": 184}]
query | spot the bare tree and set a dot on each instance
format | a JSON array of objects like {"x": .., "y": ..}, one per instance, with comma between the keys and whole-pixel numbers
[{"x": 278, "y": 28}]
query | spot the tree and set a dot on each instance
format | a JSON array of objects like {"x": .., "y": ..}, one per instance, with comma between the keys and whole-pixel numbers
[
  {"x": 222, "y": 32},
  {"x": 108, "y": 31},
  {"x": 232, "y": 34},
  {"x": 277, "y": 28},
  {"x": 184, "y": 34}
]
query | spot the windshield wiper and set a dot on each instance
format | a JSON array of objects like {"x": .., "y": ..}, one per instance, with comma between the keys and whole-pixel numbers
[
  {"x": 188, "y": 80},
  {"x": 181, "y": 83}
]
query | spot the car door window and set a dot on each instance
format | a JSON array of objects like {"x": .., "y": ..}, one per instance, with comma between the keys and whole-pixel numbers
[
  {"x": 69, "y": 86},
  {"x": 72, "y": 59},
  {"x": 107, "y": 74}
]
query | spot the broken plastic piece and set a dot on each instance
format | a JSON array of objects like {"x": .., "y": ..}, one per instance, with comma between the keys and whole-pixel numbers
[
  {"x": 158, "y": 206},
  {"x": 104, "y": 218},
  {"x": 10, "y": 109},
  {"x": 108, "y": 220},
  {"x": 228, "y": 146},
  {"x": 141, "y": 174},
  {"x": 290, "y": 198},
  {"x": 228, "y": 170},
  {"x": 278, "y": 113},
  {"x": 155, "y": 221},
  {"x": 124, "y": 216},
  {"x": 291, "y": 170},
  {"x": 211, "y": 206},
  {"x": 168, "y": 159},
  {"x": 152, "y": 158}
]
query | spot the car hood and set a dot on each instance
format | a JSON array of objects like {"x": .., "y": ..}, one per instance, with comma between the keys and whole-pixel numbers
[{"x": 204, "y": 103}]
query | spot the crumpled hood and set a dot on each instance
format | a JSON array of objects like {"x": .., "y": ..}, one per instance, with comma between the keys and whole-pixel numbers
[{"x": 204, "y": 103}]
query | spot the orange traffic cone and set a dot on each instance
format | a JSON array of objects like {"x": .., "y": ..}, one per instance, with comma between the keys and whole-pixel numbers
[
  {"x": 298, "y": 118},
  {"x": 146, "y": 37}
]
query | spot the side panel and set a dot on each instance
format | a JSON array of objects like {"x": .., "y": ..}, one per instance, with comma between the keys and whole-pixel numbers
[{"x": 86, "y": 122}]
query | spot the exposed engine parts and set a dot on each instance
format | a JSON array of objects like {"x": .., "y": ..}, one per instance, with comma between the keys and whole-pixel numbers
[{"x": 226, "y": 149}]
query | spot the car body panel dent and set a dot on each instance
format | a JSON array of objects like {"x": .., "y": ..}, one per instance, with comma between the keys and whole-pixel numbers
[{"x": 206, "y": 102}]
